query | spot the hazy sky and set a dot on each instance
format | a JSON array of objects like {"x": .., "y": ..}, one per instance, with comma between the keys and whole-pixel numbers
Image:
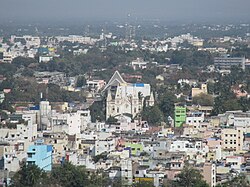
[{"x": 167, "y": 10}]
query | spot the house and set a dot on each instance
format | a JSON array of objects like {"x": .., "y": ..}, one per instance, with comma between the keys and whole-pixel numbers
[
  {"x": 139, "y": 64},
  {"x": 180, "y": 115},
  {"x": 209, "y": 173},
  {"x": 232, "y": 139},
  {"x": 40, "y": 155},
  {"x": 198, "y": 91},
  {"x": 2, "y": 96},
  {"x": 225, "y": 63}
]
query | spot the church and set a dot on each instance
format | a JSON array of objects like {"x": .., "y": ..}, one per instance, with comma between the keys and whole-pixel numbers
[{"x": 126, "y": 99}]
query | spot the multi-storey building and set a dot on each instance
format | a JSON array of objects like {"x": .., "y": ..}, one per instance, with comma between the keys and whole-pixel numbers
[
  {"x": 225, "y": 63},
  {"x": 180, "y": 115},
  {"x": 40, "y": 155},
  {"x": 232, "y": 139}
]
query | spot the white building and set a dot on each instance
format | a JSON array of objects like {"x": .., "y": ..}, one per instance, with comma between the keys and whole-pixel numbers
[
  {"x": 195, "y": 118},
  {"x": 125, "y": 98},
  {"x": 71, "y": 123},
  {"x": 45, "y": 58},
  {"x": 139, "y": 63}
]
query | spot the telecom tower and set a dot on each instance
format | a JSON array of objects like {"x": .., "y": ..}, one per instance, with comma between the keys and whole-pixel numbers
[{"x": 129, "y": 29}]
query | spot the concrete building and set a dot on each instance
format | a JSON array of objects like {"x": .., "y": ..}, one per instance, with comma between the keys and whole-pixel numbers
[
  {"x": 139, "y": 64},
  {"x": 198, "y": 91},
  {"x": 7, "y": 57},
  {"x": 136, "y": 148},
  {"x": 45, "y": 58},
  {"x": 126, "y": 171},
  {"x": 180, "y": 115},
  {"x": 95, "y": 85},
  {"x": 209, "y": 173},
  {"x": 232, "y": 139},
  {"x": 40, "y": 155},
  {"x": 71, "y": 123},
  {"x": 195, "y": 119},
  {"x": 45, "y": 114},
  {"x": 104, "y": 145},
  {"x": 225, "y": 63},
  {"x": 2, "y": 96}
]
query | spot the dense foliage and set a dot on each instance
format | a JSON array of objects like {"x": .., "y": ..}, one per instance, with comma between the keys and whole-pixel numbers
[
  {"x": 189, "y": 177},
  {"x": 66, "y": 175}
]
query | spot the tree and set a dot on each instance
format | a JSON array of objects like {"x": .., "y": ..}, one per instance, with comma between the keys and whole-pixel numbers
[
  {"x": 3, "y": 115},
  {"x": 152, "y": 114},
  {"x": 190, "y": 177},
  {"x": 111, "y": 120},
  {"x": 27, "y": 72},
  {"x": 7, "y": 69},
  {"x": 239, "y": 180},
  {"x": 143, "y": 184},
  {"x": 103, "y": 156},
  {"x": 97, "y": 111},
  {"x": 23, "y": 61},
  {"x": 81, "y": 81},
  {"x": 68, "y": 175},
  {"x": 166, "y": 104},
  {"x": 203, "y": 100},
  {"x": 29, "y": 175}
]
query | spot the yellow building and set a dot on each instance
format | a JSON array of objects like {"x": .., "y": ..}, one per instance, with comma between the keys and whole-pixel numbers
[
  {"x": 232, "y": 139},
  {"x": 198, "y": 91},
  {"x": 211, "y": 156}
]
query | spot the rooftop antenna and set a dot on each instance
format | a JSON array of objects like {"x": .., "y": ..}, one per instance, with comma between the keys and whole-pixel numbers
[
  {"x": 86, "y": 31},
  {"x": 41, "y": 96},
  {"x": 127, "y": 25},
  {"x": 47, "y": 93}
]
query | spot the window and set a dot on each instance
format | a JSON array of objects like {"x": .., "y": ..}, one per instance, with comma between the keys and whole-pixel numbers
[
  {"x": 137, "y": 172},
  {"x": 29, "y": 155}
]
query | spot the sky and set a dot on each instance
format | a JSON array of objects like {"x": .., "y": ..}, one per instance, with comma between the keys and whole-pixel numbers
[{"x": 87, "y": 10}]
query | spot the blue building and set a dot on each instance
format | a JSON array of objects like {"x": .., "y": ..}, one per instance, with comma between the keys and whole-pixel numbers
[{"x": 40, "y": 155}]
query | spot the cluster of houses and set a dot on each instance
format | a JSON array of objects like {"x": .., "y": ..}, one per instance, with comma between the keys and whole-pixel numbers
[
  {"x": 129, "y": 148},
  {"x": 126, "y": 148}
]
